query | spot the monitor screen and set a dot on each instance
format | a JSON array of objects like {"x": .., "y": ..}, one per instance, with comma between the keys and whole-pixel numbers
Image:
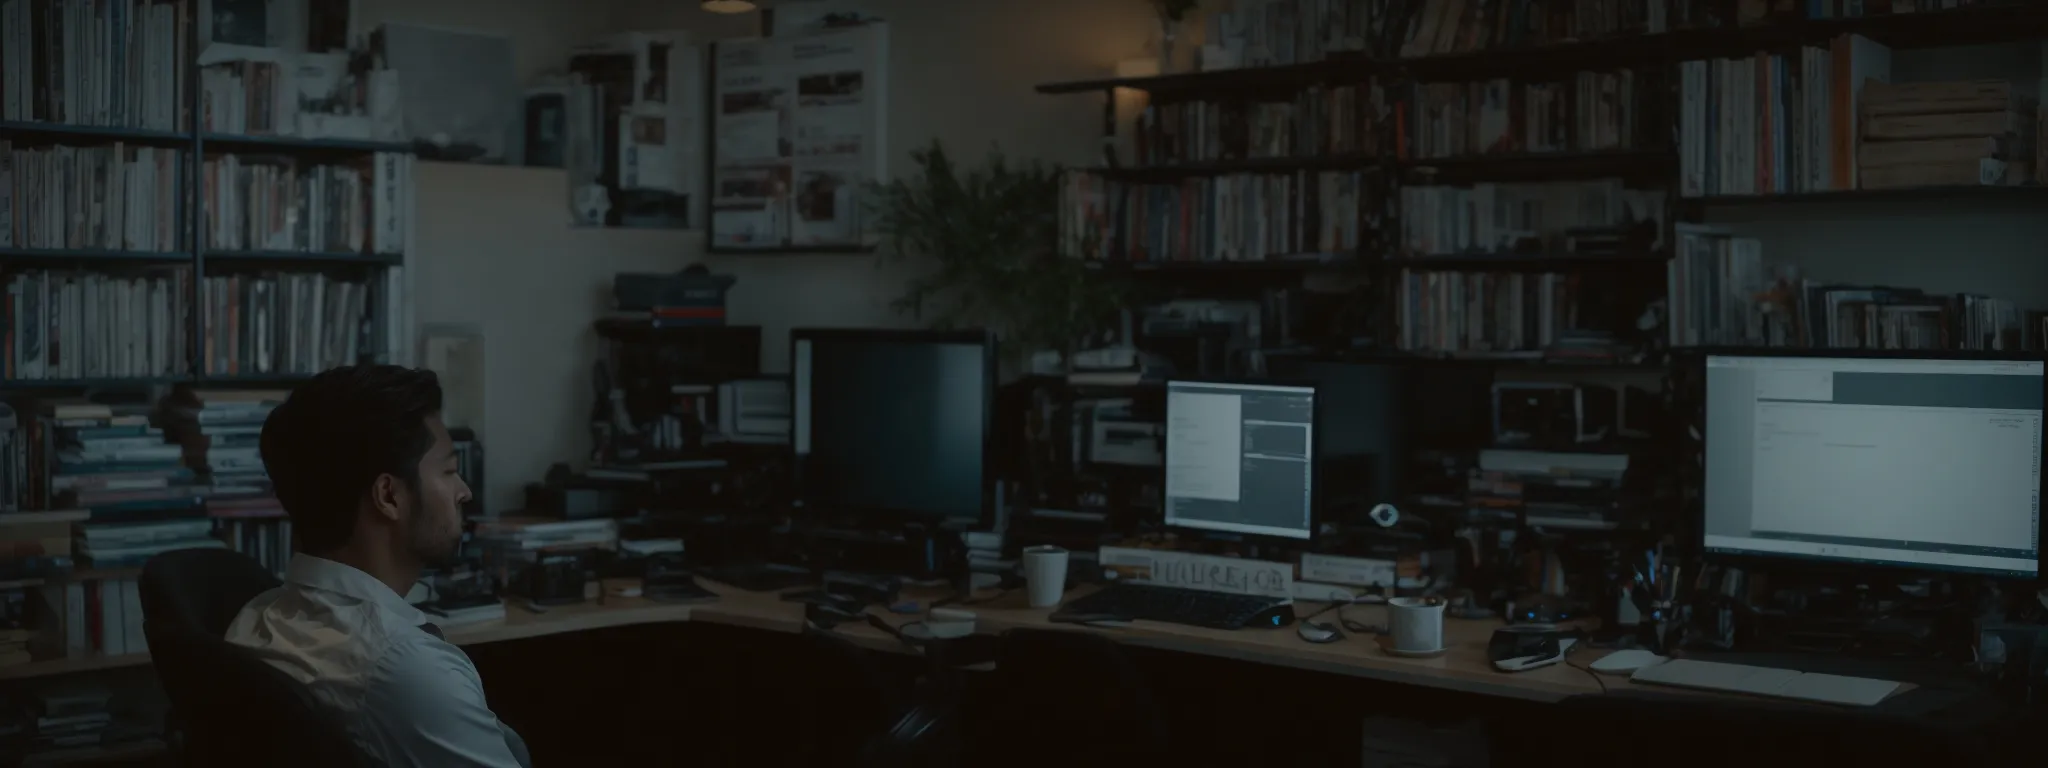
[
  {"x": 891, "y": 422},
  {"x": 1239, "y": 458},
  {"x": 1920, "y": 463}
]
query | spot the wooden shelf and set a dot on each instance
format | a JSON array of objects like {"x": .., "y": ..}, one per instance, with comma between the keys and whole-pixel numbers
[
  {"x": 70, "y": 666},
  {"x": 1510, "y": 262},
  {"x": 307, "y": 257},
  {"x": 94, "y": 134},
  {"x": 1332, "y": 261},
  {"x": 2014, "y": 22},
  {"x": 241, "y": 143},
  {"x": 93, "y": 254},
  {"x": 127, "y": 383},
  {"x": 97, "y": 134},
  {"x": 148, "y": 381},
  {"x": 1179, "y": 171},
  {"x": 1623, "y": 163},
  {"x": 1348, "y": 66},
  {"x": 1922, "y": 194}
]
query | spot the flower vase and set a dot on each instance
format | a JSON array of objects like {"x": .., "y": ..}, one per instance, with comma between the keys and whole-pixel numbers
[{"x": 1169, "y": 33}]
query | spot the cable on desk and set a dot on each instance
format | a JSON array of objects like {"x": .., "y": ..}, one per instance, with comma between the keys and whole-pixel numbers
[{"x": 1589, "y": 670}]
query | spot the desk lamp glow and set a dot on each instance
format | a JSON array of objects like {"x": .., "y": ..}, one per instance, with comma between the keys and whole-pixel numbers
[{"x": 728, "y": 6}]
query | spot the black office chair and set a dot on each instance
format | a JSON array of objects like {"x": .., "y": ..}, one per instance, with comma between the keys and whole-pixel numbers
[
  {"x": 237, "y": 710},
  {"x": 227, "y": 706},
  {"x": 198, "y": 590},
  {"x": 849, "y": 699},
  {"x": 1065, "y": 698}
]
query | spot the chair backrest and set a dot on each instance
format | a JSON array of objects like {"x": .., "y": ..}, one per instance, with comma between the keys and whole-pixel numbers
[
  {"x": 853, "y": 699},
  {"x": 199, "y": 590},
  {"x": 239, "y": 710}
]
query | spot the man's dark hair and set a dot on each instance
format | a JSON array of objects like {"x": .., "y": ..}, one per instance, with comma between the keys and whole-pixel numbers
[{"x": 326, "y": 445}]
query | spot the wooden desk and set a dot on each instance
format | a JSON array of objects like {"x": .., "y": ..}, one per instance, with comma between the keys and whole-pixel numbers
[{"x": 1464, "y": 668}]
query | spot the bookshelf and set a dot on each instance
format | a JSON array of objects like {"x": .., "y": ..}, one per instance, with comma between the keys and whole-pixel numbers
[
  {"x": 123, "y": 195},
  {"x": 1428, "y": 152}
]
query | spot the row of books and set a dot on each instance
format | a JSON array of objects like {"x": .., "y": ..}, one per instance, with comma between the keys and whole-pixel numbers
[
  {"x": 122, "y": 197},
  {"x": 1438, "y": 27},
  {"x": 73, "y": 325},
  {"x": 136, "y": 324},
  {"x": 123, "y": 462},
  {"x": 1774, "y": 124},
  {"x": 1723, "y": 293},
  {"x": 1481, "y": 313},
  {"x": 315, "y": 94},
  {"x": 1534, "y": 218},
  {"x": 94, "y": 62},
  {"x": 1591, "y": 111},
  {"x": 287, "y": 322},
  {"x": 255, "y": 204},
  {"x": 1267, "y": 33},
  {"x": 1319, "y": 121},
  {"x": 1222, "y": 218},
  {"x": 1253, "y": 33},
  {"x": 111, "y": 197}
]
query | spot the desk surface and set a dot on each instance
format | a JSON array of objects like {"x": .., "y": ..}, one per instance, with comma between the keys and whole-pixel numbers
[{"x": 1464, "y": 668}]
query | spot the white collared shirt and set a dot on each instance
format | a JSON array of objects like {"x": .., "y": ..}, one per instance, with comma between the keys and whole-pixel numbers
[{"x": 407, "y": 698}]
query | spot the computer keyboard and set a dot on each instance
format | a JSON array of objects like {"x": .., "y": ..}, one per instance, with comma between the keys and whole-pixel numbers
[
  {"x": 1767, "y": 681},
  {"x": 1193, "y": 607}
]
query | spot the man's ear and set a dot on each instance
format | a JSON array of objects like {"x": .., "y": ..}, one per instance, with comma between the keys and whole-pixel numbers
[{"x": 384, "y": 496}]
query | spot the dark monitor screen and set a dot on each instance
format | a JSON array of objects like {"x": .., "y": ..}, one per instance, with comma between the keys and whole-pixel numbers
[
  {"x": 1929, "y": 464},
  {"x": 891, "y": 422}
]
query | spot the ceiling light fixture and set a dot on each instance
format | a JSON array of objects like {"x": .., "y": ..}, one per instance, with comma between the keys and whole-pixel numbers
[{"x": 728, "y": 6}]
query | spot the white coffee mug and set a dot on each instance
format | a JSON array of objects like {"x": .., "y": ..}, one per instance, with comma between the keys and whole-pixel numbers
[
  {"x": 1415, "y": 625},
  {"x": 1045, "y": 575}
]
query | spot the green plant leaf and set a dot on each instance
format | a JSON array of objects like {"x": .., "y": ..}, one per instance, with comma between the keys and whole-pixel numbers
[{"x": 987, "y": 239}]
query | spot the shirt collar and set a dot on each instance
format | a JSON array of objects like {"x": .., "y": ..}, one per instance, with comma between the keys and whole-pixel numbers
[{"x": 327, "y": 575}]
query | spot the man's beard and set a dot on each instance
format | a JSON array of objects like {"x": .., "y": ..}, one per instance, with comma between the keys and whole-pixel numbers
[{"x": 432, "y": 550}]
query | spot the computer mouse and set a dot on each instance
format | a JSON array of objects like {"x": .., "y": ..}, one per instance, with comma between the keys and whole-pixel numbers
[
  {"x": 1277, "y": 616},
  {"x": 1626, "y": 662},
  {"x": 1318, "y": 632}
]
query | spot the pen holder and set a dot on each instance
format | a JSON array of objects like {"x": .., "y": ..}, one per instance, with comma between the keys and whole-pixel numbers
[{"x": 1654, "y": 631}]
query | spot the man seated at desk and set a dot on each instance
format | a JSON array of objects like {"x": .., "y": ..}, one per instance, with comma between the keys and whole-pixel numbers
[{"x": 364, "y": 467}]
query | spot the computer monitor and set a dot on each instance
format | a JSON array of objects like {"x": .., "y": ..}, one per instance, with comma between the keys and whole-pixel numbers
[
  {"x": 1240, "y": 457},
  {"x": 1362, "y": 426},
  {"x": 891, "y": 422},
  {"x": 1914, "y": 462}
]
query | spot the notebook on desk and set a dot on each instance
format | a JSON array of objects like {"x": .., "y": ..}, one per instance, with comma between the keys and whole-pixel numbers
[{"x": 1767, "y": 681}]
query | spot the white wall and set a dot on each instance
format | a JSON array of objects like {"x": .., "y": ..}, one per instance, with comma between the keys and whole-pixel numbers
[
  {"x": 961, "y": 72},
  {"x": 493, "y": 246}
]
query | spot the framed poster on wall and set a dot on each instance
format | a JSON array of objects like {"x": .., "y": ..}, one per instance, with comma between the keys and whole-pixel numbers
[{"x": 798, "y": 131}]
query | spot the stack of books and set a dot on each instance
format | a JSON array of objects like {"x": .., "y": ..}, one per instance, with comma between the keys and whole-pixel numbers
[{"x": 1945, "y": 134}]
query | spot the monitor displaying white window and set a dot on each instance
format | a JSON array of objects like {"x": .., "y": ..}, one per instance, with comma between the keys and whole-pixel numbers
[
  {"x": 1240, "y": 458},
  {"x": 1921, "y": 463}
]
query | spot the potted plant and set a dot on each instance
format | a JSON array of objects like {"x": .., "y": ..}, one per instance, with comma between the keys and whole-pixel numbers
[{"x": 989, "y": 236}]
